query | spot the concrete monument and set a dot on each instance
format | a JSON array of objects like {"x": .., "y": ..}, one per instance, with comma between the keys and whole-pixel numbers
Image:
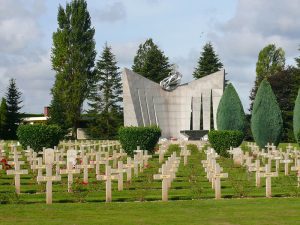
[{"x": 173, "y": 109}]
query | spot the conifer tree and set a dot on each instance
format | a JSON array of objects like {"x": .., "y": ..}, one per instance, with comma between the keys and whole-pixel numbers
[
  {"x": 13, "y": 101},
  {"x": 296, "y": 117},
  {"x": 266, "y": 120},
  {"x": 230, "y": 114},
  {"x": 208, "y": 62},
  {"x": 151, "y": 62},
  {"x": 3, "y": 119},
  {"x": 73, "y": 55},
  {"x": 105, "y": 98}
]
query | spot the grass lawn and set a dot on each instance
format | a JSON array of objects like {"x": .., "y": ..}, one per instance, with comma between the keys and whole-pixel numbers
[
  {"x": 227, "y": 211},
  {"x": 190, "y": 183}
]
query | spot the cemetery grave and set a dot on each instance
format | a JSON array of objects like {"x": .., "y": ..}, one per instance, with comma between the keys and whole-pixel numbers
[{"x": 191, "y": 180}]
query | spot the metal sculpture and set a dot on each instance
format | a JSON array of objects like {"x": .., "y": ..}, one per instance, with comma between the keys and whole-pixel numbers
[{"x": 172, "y": 81}]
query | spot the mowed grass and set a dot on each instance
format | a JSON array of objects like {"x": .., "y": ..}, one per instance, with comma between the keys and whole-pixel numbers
[
  {"x": 275, "y": 211},
  {"x": 191, "y": 198},
  {"x": 190, "y": 183}
]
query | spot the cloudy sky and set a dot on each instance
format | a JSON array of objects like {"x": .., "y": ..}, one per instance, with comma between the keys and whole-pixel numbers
[{"x": 238, "y": 29}]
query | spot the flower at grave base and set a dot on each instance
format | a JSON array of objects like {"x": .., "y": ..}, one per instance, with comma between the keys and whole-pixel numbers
[{"x": 84, "y": 183}]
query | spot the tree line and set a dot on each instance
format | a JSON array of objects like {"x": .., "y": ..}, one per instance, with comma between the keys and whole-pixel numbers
[{"x": 81, "y": 78}]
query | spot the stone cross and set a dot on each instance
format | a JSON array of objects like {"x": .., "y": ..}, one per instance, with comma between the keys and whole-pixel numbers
[
  {"x": 257, "y": 169},
  {"x": 108, "y": 177},
  {"x": 135, "y": 166},
  {"x": 270, "y": 147},
  {"x": 70, "y": 171},
  {"x": 49, "y": 159},
  {"x": 217, "y": 180},
  {"x": 120, "y": 170},
  {"x": 72, "y": 157},
  {"x": 17, "y": 172},
  {"x": 277, "y": 159},
  {"x": 297, "y": 168},
  {"x": 161, "y": 153},
  {"x": 98, "y": 162},
  {"x": 85, "y": 166},
  {"x": 286, "y": 162},
  {"x": 289, "y": 147},
  {"x": 128, "y": 166},
  {"x": 139, "y": 158},
  {"x": 39, "y": 167},
  {"x": 268, "y": 174},
  {"x": 146, "y": 157},
  {"x": 164, "y": 176},
  {"x": 57, "y": 162},
  {"x": 185, "y": 153}
]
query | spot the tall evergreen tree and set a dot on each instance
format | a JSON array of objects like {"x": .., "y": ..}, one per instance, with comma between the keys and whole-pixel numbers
[
  {"x": 298, "y": 60},
  {"x": 266, "y": 120},
  {"x": 230, "y": 114},
  {"x": 151, "y": 62},
  {"x": 208, "y": 62},
  {"x": 285, "y": 85},
  {"x": 270, "y": 61},
  {"x": 3, "y": 119},
  {"x": 13, "y": 101},
  {"x": 73, "y": 56},
  {"x": 296, "y": 118},
  {"x": 105, "y": 98}
]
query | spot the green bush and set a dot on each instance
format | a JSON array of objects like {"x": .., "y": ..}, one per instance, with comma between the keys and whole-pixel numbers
[
  {"x": 230, "y": 114},
  {"x": 222, "y": 140},
  {"x": 39, "y": 136},
  {"x": 296, "y": 117},
  {"x": 266, "y": 120},
  {"x": 145, "y": 137}
]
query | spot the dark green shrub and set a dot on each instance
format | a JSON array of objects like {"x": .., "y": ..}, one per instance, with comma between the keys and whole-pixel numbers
[
  {"x": 230, "y": 114},
  {"x": 145, "y": 137},
  {"x": 39, "y": 136},
  {"x": 266, "y": 121},
  {"x": 222, "y": 140},
  {"x": 296, "y": 117}
]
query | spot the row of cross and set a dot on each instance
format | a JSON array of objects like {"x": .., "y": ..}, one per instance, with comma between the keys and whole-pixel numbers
[
  {"x": 213, "y": 171},
  {"x": 260, "y": 161},
  {"x": 67, "y": 163},
  {"x": 167, "y": 173}
]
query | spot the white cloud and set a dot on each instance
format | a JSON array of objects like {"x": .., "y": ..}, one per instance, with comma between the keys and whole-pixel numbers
[
  {"x": 255, "y": 24},
  {"x": 112, "y": 12}
]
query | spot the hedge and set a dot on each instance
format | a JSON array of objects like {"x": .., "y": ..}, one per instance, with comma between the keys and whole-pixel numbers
[
  {"x": 296, "y": 117},
  {"x": 230, "y": 113},
  {"x": 145, "y": 137},
  {"x": 39, "y": 136},
  {"x": 266, "y": 120},
  {"x": 222, "y": 140}
]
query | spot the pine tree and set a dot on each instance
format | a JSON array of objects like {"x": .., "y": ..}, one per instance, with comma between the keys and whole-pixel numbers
[
  {"x": 3, "y": 119},
  {"x": 73, "y": 55},
  {"x": 105, "y": 98},
  {"x": 208, "y": 62},
  {"x": 270, "y": 61},
  {"x": 151, "y": 62},
  {"x": 266, "y": 120},
  {"x": 230, "y": 114},
  {"x": 13, "y": 101}
]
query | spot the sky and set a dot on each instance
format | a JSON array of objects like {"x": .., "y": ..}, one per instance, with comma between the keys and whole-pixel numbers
[{"x": 238, "y": 30}]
